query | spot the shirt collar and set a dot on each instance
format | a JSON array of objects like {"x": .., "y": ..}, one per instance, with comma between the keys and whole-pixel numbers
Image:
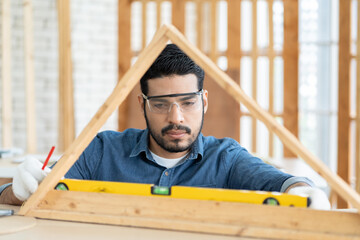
[{"x": 197, "y": 150}]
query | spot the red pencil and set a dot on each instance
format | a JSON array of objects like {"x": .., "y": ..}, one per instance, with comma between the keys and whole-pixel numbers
[{"x": 48, "y": 157}]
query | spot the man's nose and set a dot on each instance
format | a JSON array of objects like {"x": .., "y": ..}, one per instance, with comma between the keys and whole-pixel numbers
[{"x": 175, "y": 114}]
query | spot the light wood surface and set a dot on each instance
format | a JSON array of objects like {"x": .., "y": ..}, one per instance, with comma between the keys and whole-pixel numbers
[
  {"x": 13, "y": 224},
  {"x": 227, "y": 218},
  {"x": 60, "y": 230}
]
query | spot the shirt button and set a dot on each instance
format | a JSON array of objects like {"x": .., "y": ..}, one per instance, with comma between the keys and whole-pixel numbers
[{"x": 166, "y": 173}]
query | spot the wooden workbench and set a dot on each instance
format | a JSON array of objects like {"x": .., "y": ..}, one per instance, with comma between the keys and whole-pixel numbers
[{"x": 43, "y": 229}]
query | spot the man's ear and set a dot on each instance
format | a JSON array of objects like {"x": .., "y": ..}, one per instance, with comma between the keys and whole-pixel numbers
[
  {"x": 205, "y": 98},
  {"x": 141, "y": 102}
]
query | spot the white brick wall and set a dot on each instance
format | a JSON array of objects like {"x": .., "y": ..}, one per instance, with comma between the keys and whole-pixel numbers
[{"x": 94, "y": 45}]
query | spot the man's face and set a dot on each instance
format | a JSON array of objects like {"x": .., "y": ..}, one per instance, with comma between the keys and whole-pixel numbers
[{"x": 173, "y": 132}]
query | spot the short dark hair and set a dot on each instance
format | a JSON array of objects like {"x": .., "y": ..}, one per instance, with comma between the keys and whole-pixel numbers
[{"x": 172, "y": 60}]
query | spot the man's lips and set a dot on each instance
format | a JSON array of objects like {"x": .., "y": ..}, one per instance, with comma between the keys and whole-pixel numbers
[{"x": 176, "y": 134}]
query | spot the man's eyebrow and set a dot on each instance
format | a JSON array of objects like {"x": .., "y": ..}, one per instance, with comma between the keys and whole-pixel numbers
[{"x": 188, "y": 97}]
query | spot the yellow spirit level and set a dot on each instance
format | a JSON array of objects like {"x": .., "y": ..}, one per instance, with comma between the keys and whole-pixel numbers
[{"x": 215, "y": 194}]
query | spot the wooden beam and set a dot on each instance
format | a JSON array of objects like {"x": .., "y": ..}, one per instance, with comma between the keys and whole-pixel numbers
[
  {"x": 124, "y": 55},
  {"x": 178, "y": 14},
  {"x": 344, "y": 90},
  {"x": 234, "y": 56},
  {"x": 29, "y": 78},
  {"x": 254, "y": 58},
  {"x": 199, "y": 23},
  {"x": 66, "y": 93},
  {"x": 287, "y": 138},
  {"x": 271, "y": 72},
  {"x": 118, "y": 95},
  {"x": 291, "y": 71},
  {"x": 214, "y": 31},
  {"x": 229, "y": 218},
  {"x": 144, "y": 21},
  {"x": 7, "y": 138},
  {"x": 357, "y": 121}
]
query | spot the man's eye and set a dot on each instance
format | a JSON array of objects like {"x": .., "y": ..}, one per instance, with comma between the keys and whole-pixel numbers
[
  {"x": 160, "y": 105},
  {"x": 188, "y": 103}
]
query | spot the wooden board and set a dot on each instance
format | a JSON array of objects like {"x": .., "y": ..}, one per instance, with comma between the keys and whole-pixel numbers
[
  {"x": 66, "y": 92},
  {"x": 200, "y": 216},
  {"x": 343, "y": 153},
  {"x": 291, "y": 69}
]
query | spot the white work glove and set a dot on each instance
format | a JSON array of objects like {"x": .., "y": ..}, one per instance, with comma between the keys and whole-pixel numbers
[
  {"x": 318, "y": 198},
  {"x": 27, "y": 177}
]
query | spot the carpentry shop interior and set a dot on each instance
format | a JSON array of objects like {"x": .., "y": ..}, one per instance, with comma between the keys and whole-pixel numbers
[{"x": 119, "y": 119}]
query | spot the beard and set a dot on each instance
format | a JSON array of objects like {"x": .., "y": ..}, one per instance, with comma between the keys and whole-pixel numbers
[{"x": 174, "y": 145}]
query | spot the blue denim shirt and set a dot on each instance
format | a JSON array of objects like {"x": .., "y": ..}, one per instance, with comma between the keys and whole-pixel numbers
[{"x": 221, "y": 163}]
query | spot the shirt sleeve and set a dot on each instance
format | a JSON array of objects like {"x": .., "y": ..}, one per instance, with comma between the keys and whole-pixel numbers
[
  {"x": 293, "y": 180},
  {"x": 3, "y": 187},
  {"x": 251, "y": 173}
]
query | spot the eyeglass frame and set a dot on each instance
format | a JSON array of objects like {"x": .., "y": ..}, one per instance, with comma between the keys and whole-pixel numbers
[{"x": 200, "y": 92}]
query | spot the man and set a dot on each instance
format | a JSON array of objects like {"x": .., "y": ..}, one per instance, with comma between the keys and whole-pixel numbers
[{"x": 172, "y": 150}]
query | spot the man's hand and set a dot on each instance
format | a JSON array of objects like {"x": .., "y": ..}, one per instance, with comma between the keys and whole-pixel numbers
[
  {"x": 318, "y": 198},
  {"x": 27, "y": 177}
]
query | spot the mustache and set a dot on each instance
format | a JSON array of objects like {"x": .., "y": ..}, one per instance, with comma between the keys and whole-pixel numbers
[{"x": 175, "y": 127}]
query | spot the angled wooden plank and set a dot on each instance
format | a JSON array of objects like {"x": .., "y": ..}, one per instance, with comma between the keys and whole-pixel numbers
[
  {"x": 120, "y": 92},
  {"x": 343, "y": 153},
  {"x": 7, "y": 138},
  {"x": 29, "y": 78},
  {"x": 288, "y": 139},
  {"x": 218, "y": 217}
]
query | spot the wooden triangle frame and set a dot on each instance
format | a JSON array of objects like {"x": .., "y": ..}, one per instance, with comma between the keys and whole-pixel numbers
[{"x": 184, "y": 214}]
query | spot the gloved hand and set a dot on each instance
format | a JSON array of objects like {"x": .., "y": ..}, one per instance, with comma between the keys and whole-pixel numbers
[
  {"x": 318, "y": 198},
  {"x": 27, "y": 177}
]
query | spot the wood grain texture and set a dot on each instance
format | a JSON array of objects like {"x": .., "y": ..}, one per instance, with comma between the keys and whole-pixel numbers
[
  {"x": 66, "y": 92},
  {"x": 228, "y": 218},
  {"x": 291, "y": 70},
  {"x": 343, "y": 156}
]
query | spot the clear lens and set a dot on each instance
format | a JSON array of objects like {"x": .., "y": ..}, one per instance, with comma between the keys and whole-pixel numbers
[{"x": 187, "y": 103}]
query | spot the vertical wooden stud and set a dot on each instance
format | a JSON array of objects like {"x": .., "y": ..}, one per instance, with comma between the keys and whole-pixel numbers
[
  {"x": 158, "y": 13},
  {"x": 254, "y": 56},
  {"x": 124, "y": 55},
  {"x": 29, "y": 78},
  {"x": 271, "y": 56},
  {"x": 214, "y": 31},
  {"x": 66, "y": 96},
  {"x": 291, "y": 60},
  {"x": 357, "y": 139},
  {"x": 234, "y": 55},
  {"x": 199, "y": 21},
  {"x": 7, "y": 138},
  {"x": 143, "y": 25},
  {"x": 344, "y": 89},
  {"x": 178, "y": 14}
]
